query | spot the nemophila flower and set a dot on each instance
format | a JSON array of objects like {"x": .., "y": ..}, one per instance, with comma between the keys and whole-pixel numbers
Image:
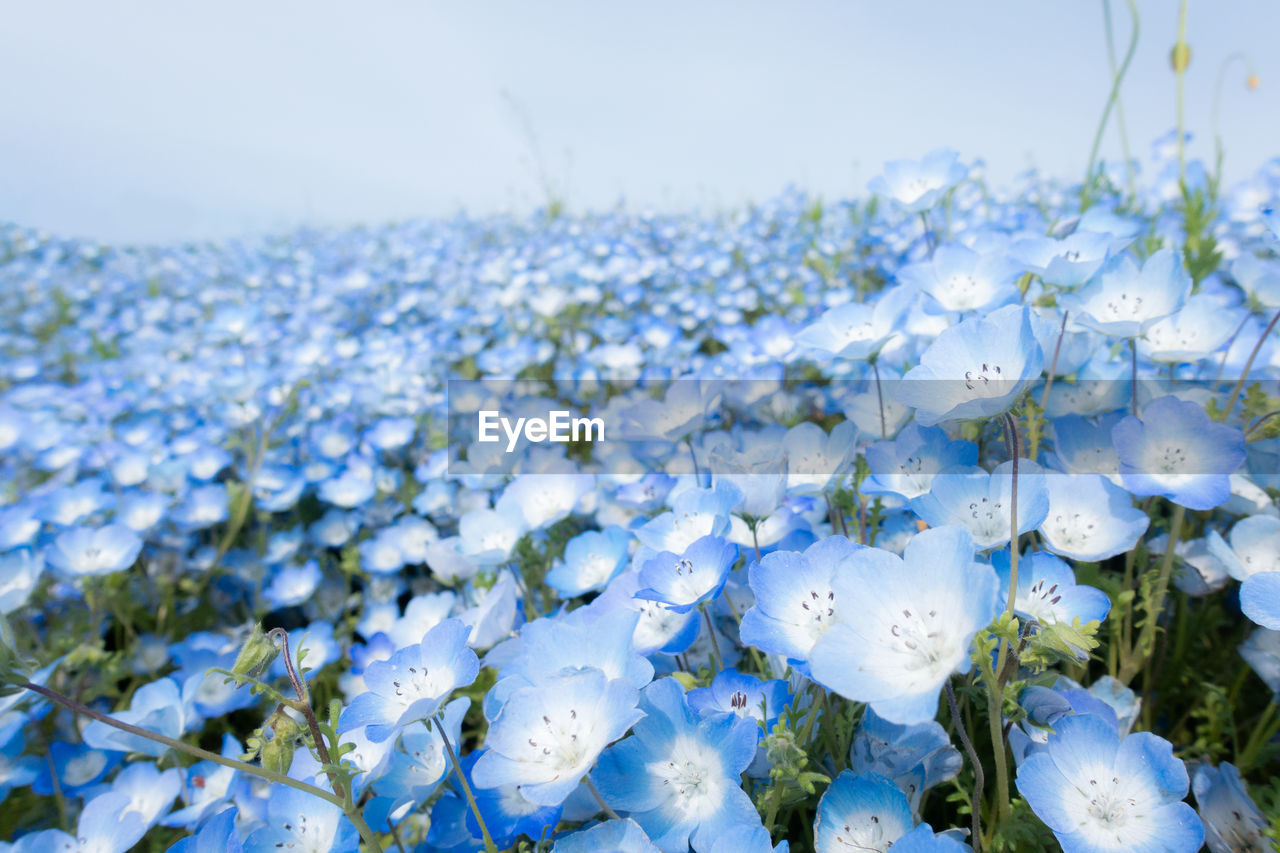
[
  {"x": 1259, "y": 278},
  {"x": 1090, "y": 518},
  {"x": 543, "y": 499},
  {"x": 493, "y": 609},
  {"x": 743, "y": 694},
  {"x": 1045, "y": 706},
  {"x": 381, "y": 554},
  {"x": 1252, "y": 547},
  {"x": 694, "y": 513},
  {"x": 685, "y": 580},
  {"x": 293, "y": 585},
  {"x": 150, "y": 790},
  {"x": 1261, "y": 650},
  {"x": 1100, "y": 792},
  {"x": 207, "y": 787},
  {"x": 17, "y": 768},
  {"x": 1099, "y": 386},
  {"x": 656, "y": 628},
  {"x": 107, "y": 825},
  {"x": 678, "y": 774},
  {"x": 796, "y": 601},
  {"x": 982, "y": 503},
  {"x": 299, "y": 821},
  {"x": 906, "y": 466},
  {"x": 348, "y": 490},
  {"x": 83, "y": 552},
  {"x": 18, "y": 526},
  {"x": 413, "y": 683},
  {"x": 866, "y": 812},
  {"x": 815, "y": 459},
  {"x": 1047, "y": 590},
  {"x": 1084, "y": 446},
  {"x": 507, "y": 814},
  {"x": 1177, "y": 452},
  {"x": 141, "y": 511},
  {"x": 20, "y": 571},
  {"x": 917, "y": 185},
  {"x": 917, "y": 616},
  {"x": 548, "y": 736},
  {"x": 591, "y": 560},
  {"x": 1125, "y": 301},
  {"x": 858, "y": 330},
  {"x": 489, "y": 535},
  {"x": 420, "y": 763},
  {"x": 975, "y": 369},
  {"x": 71, "y": 504},
  {"x": 959, "y": 279},
  {"x": 595, "y": 637},
  {"x": 163, "y": 706},
  {"x": 78, "y": 767},
  {"x": 1233, "y": 822},
  {"x": 1065, "y": 262},
  {"x": 218, "y": 835},
  {"x": 203, "y": 507},
  {"x": 1260, "y": 599},
  {"x": 1197, "y": 331},
  {"x": 623, "y": 835},
  {"x": 915, "y": 757},
  {"x": 684, "y": 409}
]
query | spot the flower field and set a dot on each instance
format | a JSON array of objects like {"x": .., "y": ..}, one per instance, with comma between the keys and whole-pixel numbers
[{"x": 941, "y": 519}]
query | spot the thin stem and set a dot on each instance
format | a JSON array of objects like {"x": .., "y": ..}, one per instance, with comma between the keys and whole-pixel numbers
[
  {"x": 1011, "y": 429},
  {"x": 1133, "y": 376},
  {"x": 1181, "y": 72},
  {"x": 711, "y": 634},
  {"x": 979, "y": 782},
  {"x": 466, "y": 788},
  {"x": 1244, "y": 374},
  {"x": 995, "y": 723},
  {"x": 194, "y": 751},
  {"x": 1262, "y": 419},
  {"x": 1146, "y": 639},
  {"x": 1053, "y": 365},
  {"x": 1117, "y": 77},
  {"x": 304, "y": 706},
  {"x": 591, "y": 786},
  {"x": 697, "y": 473},
  {"x": 875, "y": 370}
]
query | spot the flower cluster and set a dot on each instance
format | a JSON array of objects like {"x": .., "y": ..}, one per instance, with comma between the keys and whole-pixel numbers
[{"x": 911, "y": 497}]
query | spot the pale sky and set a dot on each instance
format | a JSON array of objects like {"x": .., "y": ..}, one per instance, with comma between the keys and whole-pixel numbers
[{"x": 156, "y": 121}]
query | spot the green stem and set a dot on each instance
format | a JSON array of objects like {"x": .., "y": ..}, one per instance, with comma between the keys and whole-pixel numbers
[
  {"x": 1113, "y": 98},
  {"x": 466, "y": 788},
  {"x": 1181, "y": 73},
  {"x": 979, "y": 782},
  {"x": 995, "y": 721},
  {"x": 1146, "y": 638},
  {"x": 194, "y": 751},
  {"x": 591, "y": 786},
  {"x": 1244, "y": 374}
]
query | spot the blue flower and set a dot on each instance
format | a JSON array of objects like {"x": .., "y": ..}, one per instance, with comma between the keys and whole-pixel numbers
[
  {"x": 82, "y": 551},
  {"x": 1124, "y": 301},
  {"x": 861, "y": 812},
  {"x": 414, "y": 683},
  {"x": 917, "y": 185},
  {"x": 591, "y": 560},
  {"x": 548, "y": 736},
  {"x": 683, "y": 581},
  {"x": 694, "y": 513},
  {"x": 1260, "y": 599},
  {"x": 420, "y": 764},
  {"x": 796, "y": 601},
  {"x": 1047, "y": 590},
  {"x": 1232, "y": 820},
  {"x": 915, "y": 757},
  {"x": 108, "y": 824},
  {"x": 982, "y": 502},
  {"x": 1090, "y": 518},
  {"x": 20, "y": 571},
  {"x": 1101, "y": 793},
  {"x": 859, "y": 330},
  {"x": 161, "y": 706},
  {"x": 296, "y": 819},
  {"x": 743, "y": 694},
  {"x": 621, "y": 836},
  {"x": 1177, "y": 452},
  {"x": 975, "y": 369},
  {"x": 959, "y": 279},
  {"x": 907, "y": 465},
  {"x": 916, "y": 617},
  {"x": 678, "y": 774},
  {"x": 218, "y": 835}
]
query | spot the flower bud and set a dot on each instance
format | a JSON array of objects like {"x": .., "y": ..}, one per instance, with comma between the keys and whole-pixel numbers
[
  {"x": 1180, "y": 57},
  {"x": 256, "y": 654},
  {"x": 279, "y": 739}
]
